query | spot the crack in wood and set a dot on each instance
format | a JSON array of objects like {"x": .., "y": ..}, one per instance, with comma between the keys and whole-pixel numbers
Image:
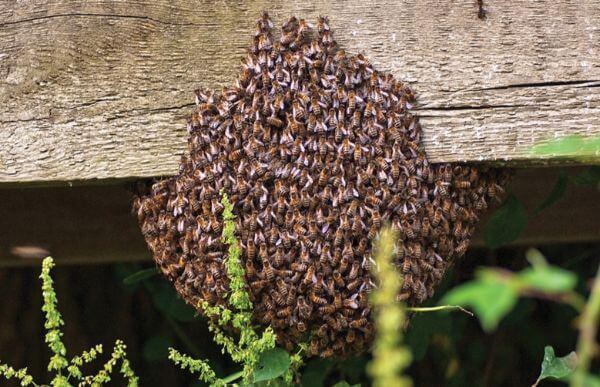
[
  {"x": 106, "y": 15},
  {"x": 467, "y": 107},
  {"x": 542, "y": 84}
]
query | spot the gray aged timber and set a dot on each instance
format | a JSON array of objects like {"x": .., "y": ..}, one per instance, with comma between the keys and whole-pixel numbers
[{"x": 100, "y": 90}]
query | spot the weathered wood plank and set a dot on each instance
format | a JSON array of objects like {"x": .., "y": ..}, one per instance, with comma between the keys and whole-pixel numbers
[
  {"x": 96, "y": 90},
  {"x": 94, "y": 224}
]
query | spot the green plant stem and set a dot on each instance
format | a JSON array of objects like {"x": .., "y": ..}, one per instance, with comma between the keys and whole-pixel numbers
[
  {"x": 232, "y": 377},
  {"x": 439, "y": 309},
  {"x": 587, "y": 336}
]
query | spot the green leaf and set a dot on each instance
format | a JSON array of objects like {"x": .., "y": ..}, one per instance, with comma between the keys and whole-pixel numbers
[
  {"x": 141, "y": 275},
  {"x": 550, "y": 279},
  {"x": 590, "y": 176},
  {"x": 535, "y": 257},
  {"x": 573, "y": 147},
  {"x": 181, "y": 311},
  {"x": 558, "y": 191},
  {"x": 344, "y": 383},
  {"x": 556, "y": 367},
  {"x": 506, "y": 224},
  {"x": 490, "y": 299},
  {"x": 591, "y": 381},
  {"x": 352, "y": 367},
  {"x": 167, "y": 301},
  {"x": 156, "y": 348},
  {"x": 272, "y": 364},
  {"x": 422, "y": 328},
  {"x": 316, "y": 371}
]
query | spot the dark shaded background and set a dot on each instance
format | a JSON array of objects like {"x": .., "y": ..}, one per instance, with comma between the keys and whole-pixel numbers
[{"x": 449, "y": 348}]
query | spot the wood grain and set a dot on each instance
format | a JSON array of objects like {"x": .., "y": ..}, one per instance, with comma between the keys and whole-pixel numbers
[
  {"x": 95, "y": 225},
  {"x": 100, "y": 90}
]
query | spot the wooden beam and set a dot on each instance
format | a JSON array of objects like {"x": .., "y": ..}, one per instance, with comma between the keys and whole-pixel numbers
[
  {"x": 95, "y": 225},
  {"x": 100, "y": 90}
]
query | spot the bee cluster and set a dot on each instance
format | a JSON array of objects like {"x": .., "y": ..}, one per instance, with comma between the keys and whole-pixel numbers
[{"x": 317, "y": 150}]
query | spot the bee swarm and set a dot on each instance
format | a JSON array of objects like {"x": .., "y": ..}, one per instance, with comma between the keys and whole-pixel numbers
[{"x": 316, "y": 150}]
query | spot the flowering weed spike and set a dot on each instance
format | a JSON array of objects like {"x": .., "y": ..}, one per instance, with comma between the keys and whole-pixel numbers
[
  {"x": 11, "y": 373},
  {"x": 53, "y": 319},
  {"x": 58, "y": 362},
  {"x": 250, "y": 345},
  {"x": 390, "y": 358},
  {"x": 207, "y": 375}
]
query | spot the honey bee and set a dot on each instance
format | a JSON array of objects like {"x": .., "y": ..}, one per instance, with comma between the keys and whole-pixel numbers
[
  {"x": 304, "y": 309},
  {"x": 357, "y": 152},
  {"x": 274, "y": 121},
  {"x": 461, "y": 249},
  {"x": 332, "y": 323},
  {"x": 316, "y": 107},
  {"x": 316, "y": 299},
  {"x": 308, "y": 277},
  {"x": 338, "y": 279},
  {"x": 354, "y": 270},
  {"x": 301, "y": 326},
  {"x": 250, "y": 269},
  {"x": 313, "y": 348},
  {"x": 322, "y": 24},
  {"x": 370, "y": 109},
  {"x": 351, "y": 286},
  {"x": 356, "y": 118},
  {"x": 372, "y": 128},
  {"x": 361, "y": 322},
  {"x": 258, "y": 285},
  {"x": 312, "y": 123},
  {"x": 278, "y": 298},
  {"x": 303, "y": 28},
  {"x": 437, "y": 217},
  {"x": 291, "y": 296},
  {"x": 267, "y": 270},
  {"x": 350, "y": 336},
  {"x": 326, "y": 309},
  {"x": 481, "y": 12},
  {"x": 285, "y": 312}
]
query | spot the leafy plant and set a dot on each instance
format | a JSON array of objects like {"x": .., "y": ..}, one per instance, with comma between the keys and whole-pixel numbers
[
  {"x": 68, "y": 372},
  {"x": 506, "y": 224},
  {"x": 554, "y": 367},
  {"x": 390, "y": 358},
  {"x": 495, "y": 292},
  {"x": 580, "y": 148},
  {"x": 261, "y": 360}
]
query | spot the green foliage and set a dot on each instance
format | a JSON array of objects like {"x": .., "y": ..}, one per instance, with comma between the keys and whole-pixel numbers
[
  {"x": 558, "y": 191},
  {"x": 157, "y": 348},
  {"x": 261, "y": 361},
  {"x": 166, "y": 300},
  {"x": 494, "y": 293},
  {"x": 591, "y": 176},
  {"x": 390, "y": 358},
  {"x": 66, "y": 370},
  {"x": 490, "y": 296},
  {"x": 272, "y": 364},
  {"x": 586, "y": 345},
  {"x": 506, "y": 224},
  {"x": 580, "y": 148},
  {"x": 345, "y": 384},
  {"x": 554, "y": 367},
  {"x": 140, "y": 276}
]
